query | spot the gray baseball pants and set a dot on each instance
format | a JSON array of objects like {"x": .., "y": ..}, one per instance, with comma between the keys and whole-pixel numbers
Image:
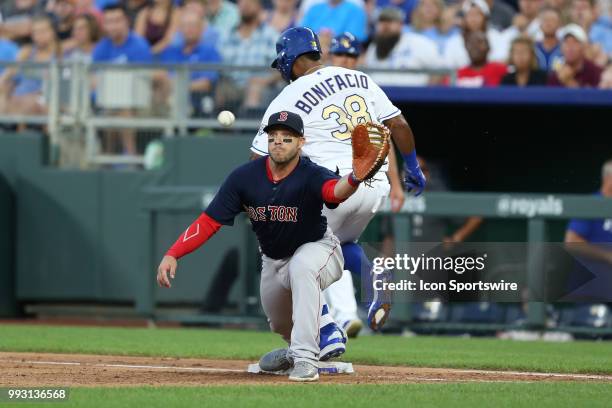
[{"x": 291, "y": 293}]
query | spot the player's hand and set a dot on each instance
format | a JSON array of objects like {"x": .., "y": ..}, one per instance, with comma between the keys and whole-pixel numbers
[
  {"x": 415, "y": 179},
  {"x": 565, "y": 74},
  {"x": 166, "y": 267},
  {"x": 397, "y": 198}
]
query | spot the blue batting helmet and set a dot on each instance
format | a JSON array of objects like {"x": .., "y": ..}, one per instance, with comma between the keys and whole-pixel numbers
[
  {"x": 345, "y": 43},
  {"x": 291, "y": 44}
]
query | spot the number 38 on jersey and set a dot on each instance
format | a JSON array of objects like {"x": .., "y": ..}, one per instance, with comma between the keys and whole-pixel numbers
[{"x": 353, "y": 112}]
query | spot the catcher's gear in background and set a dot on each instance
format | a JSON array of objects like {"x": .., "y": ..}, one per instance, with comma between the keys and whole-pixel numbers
[
  {"x": 415, "y": 179},
  {"x": 345, "y": 44},
  {"x": 291, "y": 44},
  {"x": 370, "y": 148}
]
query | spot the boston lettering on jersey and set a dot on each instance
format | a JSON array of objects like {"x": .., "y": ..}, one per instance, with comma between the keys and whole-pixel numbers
[
  {"x": 328, "y": 87},
  {"x": 275, "y": 213},
  {"x": 285, "y": 214}
]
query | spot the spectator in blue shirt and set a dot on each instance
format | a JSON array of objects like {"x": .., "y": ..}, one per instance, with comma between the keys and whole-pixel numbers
[
  {"x": 102, "y": 4},
  {"x": 336, "y": 17},
  {"x": 548, "y": 49},
  {"x": 584, "y": 13},
  {"x": 590, "y": 241},
  {"x": 8, "y": 51},
  {"x": 194, "y": 51},
  {"x": 407, "y": 6},
  {"x": 427, "y": 20},
  {"x": 21, "y": 91},
  {"x": 598, "y": 230},
  {"x": 121, "y": 45}
]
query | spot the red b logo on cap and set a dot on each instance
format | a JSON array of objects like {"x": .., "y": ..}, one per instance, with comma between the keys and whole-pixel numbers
[{"x": 283, "y": 116}]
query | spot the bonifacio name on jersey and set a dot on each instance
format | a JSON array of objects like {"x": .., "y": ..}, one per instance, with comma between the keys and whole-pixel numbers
[{"x": 328, "y": 87}]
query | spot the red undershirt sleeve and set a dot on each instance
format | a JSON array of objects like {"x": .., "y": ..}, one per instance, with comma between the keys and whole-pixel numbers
[
  {"x": 194, "y": 236},
  {"x": 328, "y": 192}
]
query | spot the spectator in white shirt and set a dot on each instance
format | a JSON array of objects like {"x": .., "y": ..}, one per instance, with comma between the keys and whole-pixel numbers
[
  {"x": 475, "y": 18},
  {"x": 393, "y": 48},
  {"x": 526, "y": 21}
]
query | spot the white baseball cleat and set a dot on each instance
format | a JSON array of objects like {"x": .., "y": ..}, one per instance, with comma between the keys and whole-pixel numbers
[{"x": 304, "y": 371}]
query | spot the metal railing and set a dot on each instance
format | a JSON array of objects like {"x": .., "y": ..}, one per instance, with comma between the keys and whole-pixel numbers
[{"x": 83, "y": 105}]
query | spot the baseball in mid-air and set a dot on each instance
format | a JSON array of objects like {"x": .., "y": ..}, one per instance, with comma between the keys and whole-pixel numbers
[{"x": 226, "y": 118}]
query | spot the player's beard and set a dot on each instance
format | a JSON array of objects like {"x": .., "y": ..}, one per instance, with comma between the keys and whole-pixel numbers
[
  {"x": 248, "y": 19},
  {"x": 283, "y": 158},
  {"x": 385, "y": 44}
]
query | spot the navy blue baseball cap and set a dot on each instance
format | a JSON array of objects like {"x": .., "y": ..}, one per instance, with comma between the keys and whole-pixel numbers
[
  {"x": 286, "y": 119},
  {"x": 345, "y": 43}
]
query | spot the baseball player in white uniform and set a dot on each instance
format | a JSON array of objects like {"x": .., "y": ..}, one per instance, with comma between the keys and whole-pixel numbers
[{"x": 331, "y": 101}]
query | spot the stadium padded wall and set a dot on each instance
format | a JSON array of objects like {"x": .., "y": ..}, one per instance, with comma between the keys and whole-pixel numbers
[{"x": 80, "y": 233}]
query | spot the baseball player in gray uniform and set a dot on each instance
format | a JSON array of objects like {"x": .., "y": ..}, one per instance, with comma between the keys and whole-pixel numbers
[{"x": 283, "y": 194}]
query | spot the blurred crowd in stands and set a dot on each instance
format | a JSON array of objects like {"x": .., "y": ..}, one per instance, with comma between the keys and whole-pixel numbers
[{"x": 485, "y": 42}]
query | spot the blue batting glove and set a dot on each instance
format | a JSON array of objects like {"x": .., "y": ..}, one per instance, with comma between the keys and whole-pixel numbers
[{"x": 415, "y": 179}]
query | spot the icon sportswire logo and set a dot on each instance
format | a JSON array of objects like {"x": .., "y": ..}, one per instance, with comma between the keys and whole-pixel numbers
[{"x": 528, "y": 206}]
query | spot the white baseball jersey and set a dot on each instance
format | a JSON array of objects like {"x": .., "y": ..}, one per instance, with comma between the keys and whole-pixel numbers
[
  {"x": 456, "y": 56},
  {"x": 331, "y": 102},
  {"x": 413, "y": 51}
]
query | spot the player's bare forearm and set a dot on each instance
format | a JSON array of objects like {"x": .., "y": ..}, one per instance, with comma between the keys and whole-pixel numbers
[
  {"x": 397, "y": 191},
  {"x": 401, "y": 133},
  {"x": 404, "y": 139},
  {"x": 393, "y": 172}
]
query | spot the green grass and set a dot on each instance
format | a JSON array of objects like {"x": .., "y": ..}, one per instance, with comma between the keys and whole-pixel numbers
[
  {"x": 309, "y": 395},
  {"x": 476, "y": 353}
]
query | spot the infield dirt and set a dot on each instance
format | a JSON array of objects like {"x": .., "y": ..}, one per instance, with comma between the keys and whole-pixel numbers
[{"x": 47, "y": 369}]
